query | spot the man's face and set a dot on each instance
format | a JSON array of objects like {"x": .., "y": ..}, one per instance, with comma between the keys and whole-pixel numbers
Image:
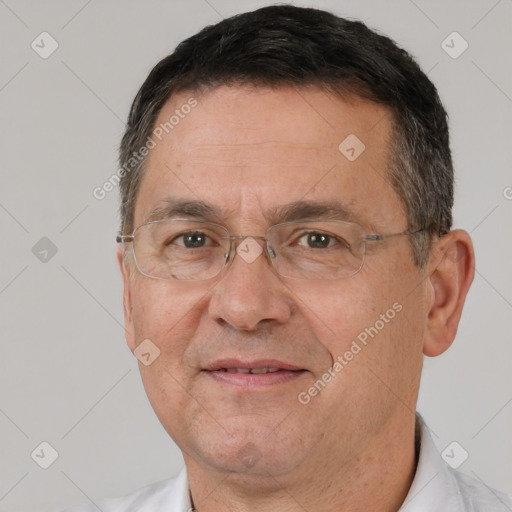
[{"x": 247, "y": 152}]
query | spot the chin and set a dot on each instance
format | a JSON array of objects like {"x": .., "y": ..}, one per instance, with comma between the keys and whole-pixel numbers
[
  {"x": 247, "y": 459},
  {"x": 247, "y": 451},
  {"x": 257, "y": 443}
]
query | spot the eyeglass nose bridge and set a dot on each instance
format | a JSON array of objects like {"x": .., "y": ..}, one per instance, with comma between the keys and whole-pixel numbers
[{"x": 230, "y": 255}]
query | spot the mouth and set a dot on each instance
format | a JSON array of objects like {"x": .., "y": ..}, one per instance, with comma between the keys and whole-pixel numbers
[
  {"x": 251, "y": 374},
  {"x": 250, "y": 370}
]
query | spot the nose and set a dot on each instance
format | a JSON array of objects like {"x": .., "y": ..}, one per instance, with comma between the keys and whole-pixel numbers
[{"x": 250, "y": 292}]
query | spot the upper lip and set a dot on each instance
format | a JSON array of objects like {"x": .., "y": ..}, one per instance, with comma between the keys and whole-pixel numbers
[{"x": 258, "y": 363}]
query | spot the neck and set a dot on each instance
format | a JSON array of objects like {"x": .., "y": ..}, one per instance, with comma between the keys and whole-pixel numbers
[{"x": 376, "y": 477}]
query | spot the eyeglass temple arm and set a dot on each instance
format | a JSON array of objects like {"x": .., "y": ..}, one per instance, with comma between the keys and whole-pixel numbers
[
  {"x": 378, "y": 237},
  {"x": 121, "y": 239}
]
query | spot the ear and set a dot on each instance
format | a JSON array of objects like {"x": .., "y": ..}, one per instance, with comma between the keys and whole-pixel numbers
[
  {"x": 453, "y": 267},
  {"x": 124, "y": 267}
]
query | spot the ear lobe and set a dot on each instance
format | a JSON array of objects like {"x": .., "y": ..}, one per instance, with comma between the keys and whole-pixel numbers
[
  {"x": 127, "y": 298},
  {"x": 453, "y": 263}
]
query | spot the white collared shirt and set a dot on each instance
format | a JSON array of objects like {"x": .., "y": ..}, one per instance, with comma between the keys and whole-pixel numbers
[{"x": 435, "y": 488}]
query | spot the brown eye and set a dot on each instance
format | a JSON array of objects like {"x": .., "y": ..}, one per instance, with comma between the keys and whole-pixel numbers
[
  {"x": 319, "y": 240},
  {"x": 191, "y": 240}
]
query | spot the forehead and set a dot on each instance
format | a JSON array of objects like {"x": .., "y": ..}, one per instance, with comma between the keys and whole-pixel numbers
[{"x": 249, "y": 150}]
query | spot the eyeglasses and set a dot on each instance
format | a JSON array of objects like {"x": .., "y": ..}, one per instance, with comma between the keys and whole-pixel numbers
[{"x": 188, "y": 250}]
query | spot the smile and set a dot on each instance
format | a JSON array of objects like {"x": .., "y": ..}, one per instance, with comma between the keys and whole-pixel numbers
[{"x": 249, "y": 370}]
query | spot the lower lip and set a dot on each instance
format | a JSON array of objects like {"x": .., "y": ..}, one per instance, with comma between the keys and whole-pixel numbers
[{"x": 253, "y": 380}]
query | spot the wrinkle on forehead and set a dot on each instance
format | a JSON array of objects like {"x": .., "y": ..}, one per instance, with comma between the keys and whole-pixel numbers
[
  {"x": 286, "y": 154},
  {"x": 270, "y": 144}
]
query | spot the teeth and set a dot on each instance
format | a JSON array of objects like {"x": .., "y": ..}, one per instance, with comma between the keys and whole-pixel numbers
[
  {"x": 264, "y": 370},
  {"x": 249, "y": 370}
]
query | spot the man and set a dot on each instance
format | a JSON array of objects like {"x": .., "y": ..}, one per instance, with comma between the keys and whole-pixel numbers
[{"x": 288, "y": 259}]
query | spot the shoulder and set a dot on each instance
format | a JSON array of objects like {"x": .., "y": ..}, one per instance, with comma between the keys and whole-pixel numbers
[{"x": 171, "y": 494}]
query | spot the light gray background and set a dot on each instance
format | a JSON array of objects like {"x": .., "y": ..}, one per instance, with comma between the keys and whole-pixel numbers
[{"x": 67, "y": 376}]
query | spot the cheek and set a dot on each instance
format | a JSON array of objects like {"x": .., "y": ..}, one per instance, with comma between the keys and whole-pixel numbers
[
  {"x": 374, "y": 321},
  {"x": 165, "y": 313},
  {"x": 338, "y": 311},
  {"x": 396, "y": 330},
  {"x": 168, "y": 316}
]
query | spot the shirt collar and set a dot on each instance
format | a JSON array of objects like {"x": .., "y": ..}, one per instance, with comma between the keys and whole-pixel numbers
[{"x": 433, "y": 486}]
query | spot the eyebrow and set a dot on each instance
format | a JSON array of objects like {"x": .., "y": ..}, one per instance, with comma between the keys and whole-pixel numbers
[{"x": 297, "y": 210}]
